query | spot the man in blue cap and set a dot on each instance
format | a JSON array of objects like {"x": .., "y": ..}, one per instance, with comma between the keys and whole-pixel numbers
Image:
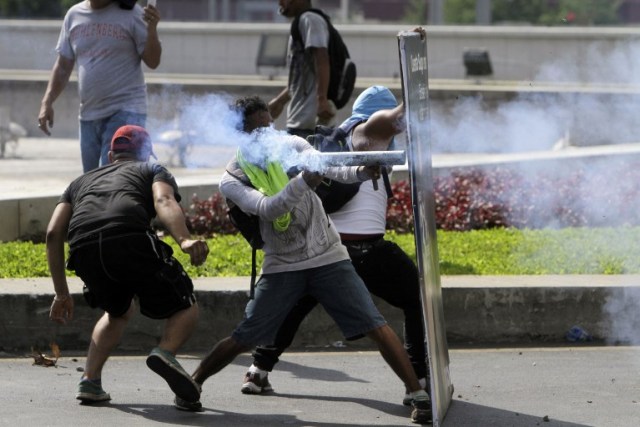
[{"x": 385, "y": 268}]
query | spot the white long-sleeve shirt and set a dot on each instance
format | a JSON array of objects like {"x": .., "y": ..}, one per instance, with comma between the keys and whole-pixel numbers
[{"x": 311, "y": 240}]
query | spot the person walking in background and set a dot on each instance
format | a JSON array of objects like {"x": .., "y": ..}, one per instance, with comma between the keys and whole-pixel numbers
[
  {"x": 106, "y": 214},
  {"x": 309, "y": 72},
  {"x": 302, "y": 255},
  {"x": 108, "y": 40},
  {"x": 387, "y": 271}
]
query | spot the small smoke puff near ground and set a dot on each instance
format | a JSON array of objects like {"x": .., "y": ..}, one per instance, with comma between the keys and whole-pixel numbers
[{"x": 621, "y": 308}]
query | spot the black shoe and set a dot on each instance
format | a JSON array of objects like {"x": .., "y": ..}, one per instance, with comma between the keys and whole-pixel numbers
[
  {"x": 421, "y": 412},
  {"x": 165, "y": 364},
  {"x": 184, "y": 405}
]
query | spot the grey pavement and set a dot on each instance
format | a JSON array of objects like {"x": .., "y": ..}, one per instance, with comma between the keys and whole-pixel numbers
[{"x": 566, "y": 387}]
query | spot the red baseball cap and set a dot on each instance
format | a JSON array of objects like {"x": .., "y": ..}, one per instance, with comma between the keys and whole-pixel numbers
[{"x": 132, "y": 139}]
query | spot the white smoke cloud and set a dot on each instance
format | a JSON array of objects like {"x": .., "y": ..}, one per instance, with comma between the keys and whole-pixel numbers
[
  {"x": 600, "y": 63},
  {"x": 602, "y": 111},
  {"x": 211, "y": 128}
]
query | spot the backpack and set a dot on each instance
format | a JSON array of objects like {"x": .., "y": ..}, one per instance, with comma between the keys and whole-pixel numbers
[
  {"x": 247, "y": 224},
  {"x": 333, "y": 194},
  {"x": 342, "y": 74}
]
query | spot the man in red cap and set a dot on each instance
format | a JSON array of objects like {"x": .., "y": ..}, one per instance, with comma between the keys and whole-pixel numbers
[{"x": 106, "y": 215}]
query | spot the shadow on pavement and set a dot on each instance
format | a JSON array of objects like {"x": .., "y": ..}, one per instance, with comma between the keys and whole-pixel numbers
[
  {"x": 314, "y": 373},
  {"x": 466, "y": 414},
  {"x": 168, "y": 415}
]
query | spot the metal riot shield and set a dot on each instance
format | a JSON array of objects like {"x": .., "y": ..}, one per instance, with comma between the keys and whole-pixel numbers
[{"x": 415, "y": 89}]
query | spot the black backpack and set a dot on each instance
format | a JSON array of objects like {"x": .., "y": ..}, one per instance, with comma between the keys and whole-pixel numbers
[
  {"x": 333, "y": 194},
  {"x": 247, "y": 224},
  {"x": 342, "y": 75}
]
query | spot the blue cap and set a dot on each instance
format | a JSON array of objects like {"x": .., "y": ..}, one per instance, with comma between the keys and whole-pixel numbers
[{"x": 371, "y": 100}]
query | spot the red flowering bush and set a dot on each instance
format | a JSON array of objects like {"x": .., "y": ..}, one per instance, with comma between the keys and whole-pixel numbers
[
  {"x": 399, "y": 208},
  {"x": 208, "y": 217},
  {"x": 474, "y": 199}
]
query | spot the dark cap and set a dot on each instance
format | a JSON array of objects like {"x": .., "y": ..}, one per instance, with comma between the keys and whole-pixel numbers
[{"x": 132, "y": 139}]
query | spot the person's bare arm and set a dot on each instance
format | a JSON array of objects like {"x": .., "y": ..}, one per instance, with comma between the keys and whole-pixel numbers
[
  {"x": 376, "y": 133},
  {"x": 152, "y": 48},
  {"x": 62, "y": 305},
  {"x": 57, "y": 82},
  {"x": 171, "y": 216},
  {"x": 276, "y": 105},
  {"x": 323, "y": 72}
]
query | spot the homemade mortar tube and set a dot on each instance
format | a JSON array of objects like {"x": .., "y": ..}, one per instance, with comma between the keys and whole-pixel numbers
[{"x": 361, "y": 158}]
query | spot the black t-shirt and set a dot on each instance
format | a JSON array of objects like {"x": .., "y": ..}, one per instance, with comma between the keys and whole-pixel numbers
[{"x": 113, "y": 197}]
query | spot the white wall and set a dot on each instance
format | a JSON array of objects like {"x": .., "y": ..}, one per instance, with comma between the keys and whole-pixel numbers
[{"x": 231, "y": 49}]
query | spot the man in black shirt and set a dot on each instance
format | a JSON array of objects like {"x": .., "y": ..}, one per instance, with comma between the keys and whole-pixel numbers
[{"x": 106, "y": 215}]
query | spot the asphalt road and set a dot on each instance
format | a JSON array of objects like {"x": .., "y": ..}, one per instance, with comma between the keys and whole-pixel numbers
[{"x": 567, "y": 387}]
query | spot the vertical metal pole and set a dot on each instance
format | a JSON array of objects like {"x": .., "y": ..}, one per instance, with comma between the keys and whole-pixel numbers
[
  {"x": 483, "y": 12},
  {"x": 436, "y": 12},
  {"x": 213, "y": 13},
  {"x": 225, "y": 10},
  {"x": 344, "y": 11}
]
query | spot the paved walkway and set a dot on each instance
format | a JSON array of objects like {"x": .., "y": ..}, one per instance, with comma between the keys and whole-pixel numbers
[{"x": 555, "y": 387}]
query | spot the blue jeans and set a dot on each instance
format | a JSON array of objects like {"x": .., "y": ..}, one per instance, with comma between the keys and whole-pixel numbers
[
  {"x": 95, "y": 136},
  {"x": 337, "y": 287},
  {"x": 388, "y": 273}
]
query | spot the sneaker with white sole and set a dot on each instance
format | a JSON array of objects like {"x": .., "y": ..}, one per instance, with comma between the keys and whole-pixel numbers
[
  {"x": 91, "y": 392},
  {"x": 425, "y": 383},
  {"x": 165, "y": 364},
  {"x": 255, "y": 384}
]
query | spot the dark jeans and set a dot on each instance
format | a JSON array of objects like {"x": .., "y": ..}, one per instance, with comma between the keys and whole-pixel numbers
[{"x": 388, "y": 273}]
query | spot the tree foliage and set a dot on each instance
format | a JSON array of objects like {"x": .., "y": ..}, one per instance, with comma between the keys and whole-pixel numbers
[
  {"x": 416, "y": 12},
  {"x": 582, "y": 12},
  {"x": 460, "y": 11},
  {"x": 521, "y": 11},
  {"x": 533, "y": 12}
]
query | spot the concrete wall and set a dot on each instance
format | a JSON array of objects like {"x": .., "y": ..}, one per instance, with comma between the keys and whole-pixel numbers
[
  {"x": 231, "y": 49},
  {"x": 479, "y": 311}
]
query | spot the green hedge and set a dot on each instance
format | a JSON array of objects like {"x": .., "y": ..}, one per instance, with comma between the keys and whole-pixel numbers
[{"x": 480, "y": 252}]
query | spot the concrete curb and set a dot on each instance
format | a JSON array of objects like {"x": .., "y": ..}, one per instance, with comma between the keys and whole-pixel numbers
[{"x": 479, "y": 310}]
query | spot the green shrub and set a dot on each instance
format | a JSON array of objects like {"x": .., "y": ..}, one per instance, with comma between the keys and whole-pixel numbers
[{"x": 500, "y": 251}]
